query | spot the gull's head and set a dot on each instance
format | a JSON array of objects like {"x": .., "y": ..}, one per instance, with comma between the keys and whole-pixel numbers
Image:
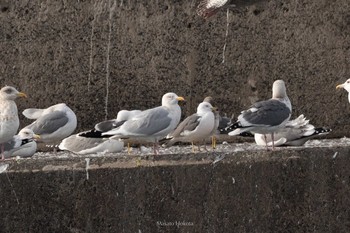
[
  {"x": 279, "y": 89},
  {"x": 28, "y": 134},
  {"x": 345, "y": 85},
  {"x": 10, "y": 93},
  {"x": 208, "y": 99},
  {"x": 204, "y": 107},
  {"x": 279, "y": 92},
  {"x": 171, "y": 99}
]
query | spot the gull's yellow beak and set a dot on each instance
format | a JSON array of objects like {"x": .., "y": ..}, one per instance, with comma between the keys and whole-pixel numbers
[
  {"x": 36, "y": 136},
  {"x": 21, "y": 94},
  {"x": 180, "y": 98},
  {"x": 214, "y": 109},
  {"x": 339, "y": 86}
]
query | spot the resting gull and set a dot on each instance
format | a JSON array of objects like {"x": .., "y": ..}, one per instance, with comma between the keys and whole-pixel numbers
[
  {"x": 265, "y": 117},
  {"x": 295, "y": 133},
  {"x": 92, "y": 141},
  {"x": 152, "y": 124},
  {"x": 346, "y": 86},
  {"x": 9, "y": 121},
  {"x": 122, "y": 116},
  {"x": 195, "y": 128},
  {"x": 89, "y": 145},
  {"x": 52, "y": 124},
  {"x": 22, "y": 144}
]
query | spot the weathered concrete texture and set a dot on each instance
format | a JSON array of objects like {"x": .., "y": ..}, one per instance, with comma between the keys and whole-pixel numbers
[
  {"x": 103, "y": 56},
  {"x": 304, "y": 190}
]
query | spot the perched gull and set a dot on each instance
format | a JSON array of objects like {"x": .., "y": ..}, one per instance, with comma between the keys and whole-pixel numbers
[
  {"x": 346, "y": 86},
  {"x": 217, "y": 119},
  {"x": 265, "y": 117},
  {"x": 152, "y": 124},
  {"x": 92, "y": 141},
  {"x": 9, "y": 121},
  {"x": 88, "y": 145},
  {"x": 22, "y": 144},
  {"x": 295, "y": 133},
  {"x": 52, "y": 124},
  {"x": 195, "y": 128}
]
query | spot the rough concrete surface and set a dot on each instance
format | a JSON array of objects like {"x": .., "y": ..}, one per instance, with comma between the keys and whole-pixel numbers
[
  {"x": 299, "y": 190},
  {"x": 103, "y": 56}
]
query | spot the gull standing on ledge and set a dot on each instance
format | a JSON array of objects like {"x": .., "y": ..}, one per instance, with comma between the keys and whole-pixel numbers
[
  {"x": 265, "y": 117},
  {"x": 195, "y": 128},
  {"x": 9, "y": 121},
  {"x": 52, "y": 124},
  {"x": 346, "y": 86},
  {"x": 152, "y": 124}
]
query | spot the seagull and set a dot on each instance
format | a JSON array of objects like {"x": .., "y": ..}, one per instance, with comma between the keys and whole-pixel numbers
[
  {"x": 122, "y": 116},
  {"x": 295, "y": 133},
  {"x": 92, "y": 141},
  {"x": 346, "y": 86},
  {"x": 195, "y": 128},
  {"x": 152, "y": 124},
  {"x": 9, "y": 121},
  {"x": 52, "y": 124},
  {"x": 265, "y": 117},
  {"x": 89, "y": 145},
  {"x": 22, "y": 144}
]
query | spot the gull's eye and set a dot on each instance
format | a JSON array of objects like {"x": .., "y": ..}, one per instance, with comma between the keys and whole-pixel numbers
[
  {"x": 8, "y": 90},
  {"x": 348, "y": 81}
]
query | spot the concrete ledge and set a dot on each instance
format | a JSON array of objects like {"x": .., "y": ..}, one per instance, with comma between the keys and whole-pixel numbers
[{"x": 298, "y": 190}]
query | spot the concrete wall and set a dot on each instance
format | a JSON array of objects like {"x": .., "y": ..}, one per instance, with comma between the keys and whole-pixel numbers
[
  {"x": 304, "y": 190},
  {"x": 103, "y": 56}
]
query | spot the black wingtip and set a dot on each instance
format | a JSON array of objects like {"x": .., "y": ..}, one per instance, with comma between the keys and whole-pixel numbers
[
  {"x": 230, "y": 128},
  {"x": 247, "y": 134},
  {"x": 322, "y": 130},
  {"x": 93, "y": 134}
]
